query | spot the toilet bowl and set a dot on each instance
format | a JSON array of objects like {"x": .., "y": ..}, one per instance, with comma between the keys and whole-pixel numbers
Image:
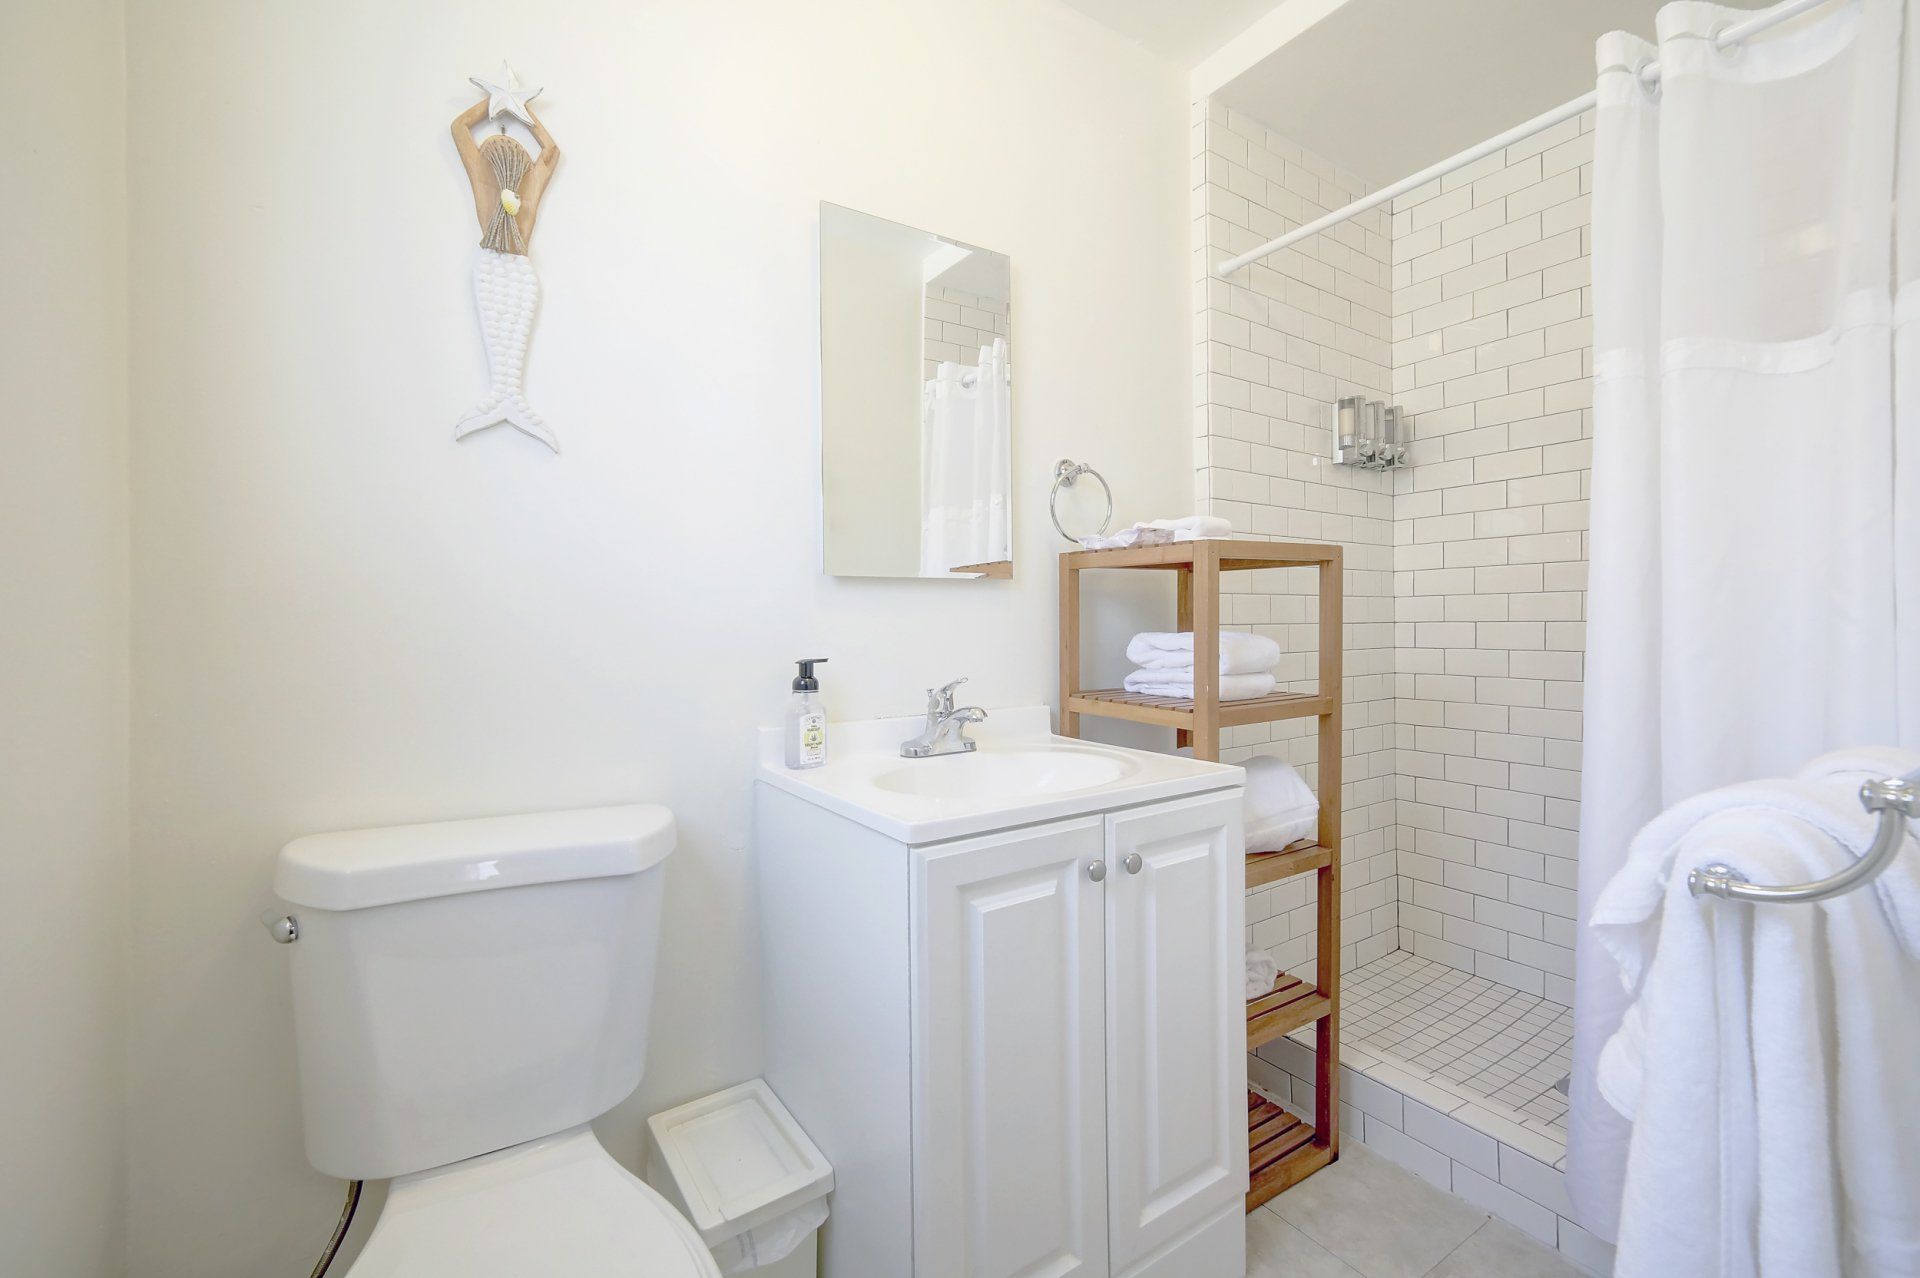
[
  {"x": 468, "y": 996},
  {"x": 558, "y": 1205}
]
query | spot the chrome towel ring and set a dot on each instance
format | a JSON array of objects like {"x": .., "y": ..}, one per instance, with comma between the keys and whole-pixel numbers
[{"x": 1065, "y": 473}]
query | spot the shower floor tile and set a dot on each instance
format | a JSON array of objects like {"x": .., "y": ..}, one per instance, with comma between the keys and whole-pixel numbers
[{"x": 1494, "y": 1046}]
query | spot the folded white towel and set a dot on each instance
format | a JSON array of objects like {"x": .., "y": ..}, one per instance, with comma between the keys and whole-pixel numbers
[
  {"x": 1279, "y": 806},
  {"x": 1138, "y": 535},
  {"x": 1179, "y": 683},
  {"x": 1240, "y": 653},
  {"x": 1160, "y": 532},
  {"x": 1262, "y": 971},
  {"x": 1761, "y": 1056},
  {"x": 1193, "y": 527}
]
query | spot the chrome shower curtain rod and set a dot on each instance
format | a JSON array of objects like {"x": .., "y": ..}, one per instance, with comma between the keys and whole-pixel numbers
[{"x": 1649, "y": 71}]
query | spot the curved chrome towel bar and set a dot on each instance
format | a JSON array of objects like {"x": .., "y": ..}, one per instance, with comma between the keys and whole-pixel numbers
[{"x": 1896, "y": 799}]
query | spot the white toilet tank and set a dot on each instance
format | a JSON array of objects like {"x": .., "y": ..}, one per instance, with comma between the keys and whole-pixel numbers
[{"x": 469, "y": 985}]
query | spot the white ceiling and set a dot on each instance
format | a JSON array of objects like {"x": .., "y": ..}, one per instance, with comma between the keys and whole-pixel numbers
[
  {"x": 1384, "y": 88},
  {"x": 1181, "y": 31}
]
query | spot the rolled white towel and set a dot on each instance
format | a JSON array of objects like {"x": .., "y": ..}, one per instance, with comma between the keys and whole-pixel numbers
[
  {"x": 1279, "y": 807},
  {"x": 1240, "y": 653},
  {"x": 1179, "y": 683},
  {"x": 1262, "y": 971}
]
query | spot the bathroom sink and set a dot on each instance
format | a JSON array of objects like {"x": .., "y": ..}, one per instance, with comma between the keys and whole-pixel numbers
[
  {"x": 1020, "y": 774},
  {"x": 1005, "y": 773}
]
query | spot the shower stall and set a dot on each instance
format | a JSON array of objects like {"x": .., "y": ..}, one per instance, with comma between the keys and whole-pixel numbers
[{"x": 1464, "y": 296}]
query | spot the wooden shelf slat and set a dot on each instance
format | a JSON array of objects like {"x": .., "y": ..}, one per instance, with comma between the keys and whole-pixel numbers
[
  {"x": 1270, "y": 867},
  {"x": 1001, "y": 569},
  {"x": 1283, "y": 1150},
  {"x": 1290, "y": 1004},
  {"x": 1233, "y": 555},
  {"x": 1178, "y": 712}
]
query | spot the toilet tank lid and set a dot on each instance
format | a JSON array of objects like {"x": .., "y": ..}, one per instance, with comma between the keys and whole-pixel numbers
[{"x": 357, "y": 869}]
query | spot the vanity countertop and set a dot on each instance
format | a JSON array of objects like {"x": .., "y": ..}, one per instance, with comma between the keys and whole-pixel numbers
[{"x": 1020, "y": 774}]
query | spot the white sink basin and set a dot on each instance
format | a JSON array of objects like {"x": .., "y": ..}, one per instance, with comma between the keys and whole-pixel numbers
[
  {"x": 1021, "y": 773},
  {"x": 1005, "y": 773}
]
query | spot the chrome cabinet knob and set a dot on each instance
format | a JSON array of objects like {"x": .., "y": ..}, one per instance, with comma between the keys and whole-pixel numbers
[
  {"x": 1096, "y": 870},
  {"x": 1132, "y": 863}
]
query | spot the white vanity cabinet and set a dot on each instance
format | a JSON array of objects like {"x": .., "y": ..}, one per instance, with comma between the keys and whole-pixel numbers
[{"x": 1022, "y": 1050}]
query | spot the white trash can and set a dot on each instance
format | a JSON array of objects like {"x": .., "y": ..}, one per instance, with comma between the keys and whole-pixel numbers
[{"x": 739, "y": 1168}]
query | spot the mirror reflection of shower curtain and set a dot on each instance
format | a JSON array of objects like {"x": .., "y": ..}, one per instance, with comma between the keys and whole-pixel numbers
[{"x": 966, "y": 447}]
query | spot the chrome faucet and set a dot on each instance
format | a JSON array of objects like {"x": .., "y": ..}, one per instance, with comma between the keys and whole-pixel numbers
[{"x": 946, "y": 730}]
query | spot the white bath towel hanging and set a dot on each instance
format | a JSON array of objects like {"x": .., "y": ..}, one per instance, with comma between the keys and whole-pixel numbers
[{"x": 1766, "y": 1055}]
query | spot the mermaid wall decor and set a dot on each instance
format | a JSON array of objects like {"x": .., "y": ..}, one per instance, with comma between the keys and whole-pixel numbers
[{"x": 507, "y": 186}]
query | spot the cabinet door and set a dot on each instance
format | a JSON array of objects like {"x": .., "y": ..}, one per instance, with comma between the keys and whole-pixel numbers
[
  {"x": 1176, "y": 1022},
  {"x": 1009, "y": 1103}
]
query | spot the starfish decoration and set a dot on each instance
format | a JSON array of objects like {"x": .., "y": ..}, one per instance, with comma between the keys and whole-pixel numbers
[{"x": 505, "y": 94}]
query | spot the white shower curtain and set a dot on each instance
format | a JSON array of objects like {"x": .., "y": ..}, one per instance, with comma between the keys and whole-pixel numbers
[
  {"x": 966, "y": 464},
  {"x": 1754, "y": 594}
]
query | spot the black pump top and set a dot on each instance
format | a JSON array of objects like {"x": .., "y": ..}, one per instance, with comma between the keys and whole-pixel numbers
[{"x": 806, "y": 682}]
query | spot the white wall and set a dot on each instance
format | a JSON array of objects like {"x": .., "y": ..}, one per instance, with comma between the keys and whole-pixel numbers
[
  {"x": 342, "y": 618},
  {"x": 63, "y": 641}
]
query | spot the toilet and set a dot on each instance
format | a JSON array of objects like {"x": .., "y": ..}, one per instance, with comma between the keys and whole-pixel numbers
[{"x": 468, "y": 996}]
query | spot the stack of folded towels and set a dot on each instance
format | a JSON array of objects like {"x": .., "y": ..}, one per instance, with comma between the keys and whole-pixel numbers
[{"x": 1165, "y": 664}]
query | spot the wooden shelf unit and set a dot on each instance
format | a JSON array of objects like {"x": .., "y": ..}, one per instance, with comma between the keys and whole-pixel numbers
[{"x": 1284, "y": 1150}]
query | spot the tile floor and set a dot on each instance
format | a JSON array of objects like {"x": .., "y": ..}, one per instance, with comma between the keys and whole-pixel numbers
[
  {"x": 1364, "y": 1217},
  {"x": 1496, "y": 1043}
]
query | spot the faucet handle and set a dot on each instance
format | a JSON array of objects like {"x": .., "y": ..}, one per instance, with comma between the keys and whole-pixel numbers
[{"x": 940, "y": 700}]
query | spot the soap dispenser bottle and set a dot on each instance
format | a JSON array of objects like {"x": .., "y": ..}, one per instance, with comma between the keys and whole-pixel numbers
[{"x": 806, "y": 719}]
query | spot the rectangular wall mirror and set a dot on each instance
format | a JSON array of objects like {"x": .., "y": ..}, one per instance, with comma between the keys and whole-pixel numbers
[{"x": 916, "y": 427}]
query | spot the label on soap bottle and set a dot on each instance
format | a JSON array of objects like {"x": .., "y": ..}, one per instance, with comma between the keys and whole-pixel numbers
[{"x": 813, "y": 740}]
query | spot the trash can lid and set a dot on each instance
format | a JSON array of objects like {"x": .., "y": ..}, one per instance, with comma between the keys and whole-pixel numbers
[{"x": 739, "y": 1160}]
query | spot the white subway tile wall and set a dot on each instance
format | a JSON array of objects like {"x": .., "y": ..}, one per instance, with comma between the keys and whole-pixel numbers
[
  {"x": 1492, "y": 359},
  {"x": 1273, "y": 348},
  {"x": 1469, "y": 304},
  {"x": 958, "y": 324}
]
